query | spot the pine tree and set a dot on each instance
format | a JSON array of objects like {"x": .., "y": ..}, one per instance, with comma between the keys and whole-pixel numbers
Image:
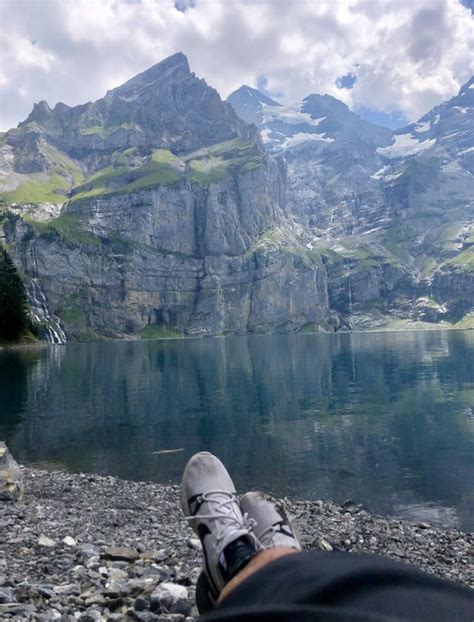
[{"x": 14, "y": 319}]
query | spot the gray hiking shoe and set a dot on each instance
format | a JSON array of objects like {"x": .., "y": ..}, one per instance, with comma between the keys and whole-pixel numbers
[
  {"x": 272, "y": 526},
  {"x": 210, "y": 504}
]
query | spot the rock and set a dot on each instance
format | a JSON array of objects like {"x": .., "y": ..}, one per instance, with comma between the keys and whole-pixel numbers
[
  {"x": 351, "y": 507},
  {"x": 169, "y": 597},
  {"x": 69, "y": 541},
  {"x": 49, "y": 616},
  {"x": 195, "y": 544},
  {"x": 47, "y": 542},
  {"x": 324, "y": 545},
  {"x": 89, "y": 550},
  {"x": 141, "y": 604},
  {"x": 11, "y": 481},
  {"x": 17, "y": 609},
  {"x": 123, "y": 553},
  {"x": 6, "y": 595}
]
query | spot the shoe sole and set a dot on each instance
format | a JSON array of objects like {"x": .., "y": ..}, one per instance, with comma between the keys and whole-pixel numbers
[{"x": 184, "y": 497}]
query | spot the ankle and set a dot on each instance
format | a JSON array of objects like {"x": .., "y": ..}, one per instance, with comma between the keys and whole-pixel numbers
[
  {"x": 236, "y": 556},
  {"x": 259, "y": 561}
]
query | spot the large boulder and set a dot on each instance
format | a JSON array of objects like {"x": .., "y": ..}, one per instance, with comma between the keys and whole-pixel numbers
[{"x": 11, "y": 481}]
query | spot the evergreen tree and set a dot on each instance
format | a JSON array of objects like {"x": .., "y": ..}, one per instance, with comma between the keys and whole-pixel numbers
[{"x": 13, "y": 306}]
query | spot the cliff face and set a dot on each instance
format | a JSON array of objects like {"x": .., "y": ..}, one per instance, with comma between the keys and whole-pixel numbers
[
  {"x": 188, "y": 259},
  {"x": 157, "y": 211}
]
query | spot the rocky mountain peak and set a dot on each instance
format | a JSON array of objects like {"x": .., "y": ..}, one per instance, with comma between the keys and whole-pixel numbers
[
  {"x": 248, "y": 103},
  {"x": 173, "y": 69},
  {"x": 40, "y": 114}
]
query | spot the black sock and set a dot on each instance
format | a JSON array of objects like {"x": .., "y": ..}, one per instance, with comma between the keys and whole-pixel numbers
[{"x": 237, "y": 555}]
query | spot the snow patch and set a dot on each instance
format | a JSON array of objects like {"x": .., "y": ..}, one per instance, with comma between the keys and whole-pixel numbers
[
  {"x": 380, "y": 173},
  {"x": 405, "y": 145},
  {"x": 461, "y": 109},
  {"x": 435, "y": 120},
  {"x": 303, "y": 137},
  {"x": 393, "y": 177},
  {"x": 265, "y": 134},
  {"x": 129, "y": 99},
  {"x": 469, "y": 150}
]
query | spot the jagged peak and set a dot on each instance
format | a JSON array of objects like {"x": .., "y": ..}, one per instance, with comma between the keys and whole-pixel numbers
[
  {"x": 328, "y": 101},
  {"x": 40, "y": 112},
  {"x": 175, "y": 66},
  {"x": 469, "y": 85},
  {"x": 246, "y": 91}
]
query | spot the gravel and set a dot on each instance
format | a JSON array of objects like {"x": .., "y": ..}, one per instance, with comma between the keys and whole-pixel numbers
[{"x": 91, "y": 548}]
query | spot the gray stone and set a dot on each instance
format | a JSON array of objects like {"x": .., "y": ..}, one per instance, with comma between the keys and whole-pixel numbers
[
  {"x": 11, "y": 481},
  {"x": 46, "y": 541},
  {"x": 6, "y": 595},
  {"x": 169, "y": 597},
  {"x": 123, "y": 553}
]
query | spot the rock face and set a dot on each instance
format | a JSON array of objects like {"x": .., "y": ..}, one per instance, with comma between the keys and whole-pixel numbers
[
  {"x": 11, "y": 482},
  {"x": 157, "y": 211}
]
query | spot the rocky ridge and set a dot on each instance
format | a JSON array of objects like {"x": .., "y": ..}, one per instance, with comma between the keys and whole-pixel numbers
[{"x": 91, "y": 548}]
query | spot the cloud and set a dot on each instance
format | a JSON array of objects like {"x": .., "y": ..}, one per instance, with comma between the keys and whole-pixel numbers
[{"x": 404, "y": 56}]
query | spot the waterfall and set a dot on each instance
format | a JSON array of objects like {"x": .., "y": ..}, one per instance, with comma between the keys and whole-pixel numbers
[
  {"x": 41, "y": 313},
  {"x": 350, "y": 294}
]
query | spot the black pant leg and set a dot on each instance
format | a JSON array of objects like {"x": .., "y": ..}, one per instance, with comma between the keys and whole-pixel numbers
[{"x": 360, "y": 585}]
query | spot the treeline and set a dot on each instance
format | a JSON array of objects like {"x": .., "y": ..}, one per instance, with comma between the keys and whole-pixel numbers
[{"x": 14, "y": 320}]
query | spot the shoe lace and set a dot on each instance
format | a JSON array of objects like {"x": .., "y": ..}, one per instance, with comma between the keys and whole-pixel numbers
[
  {"x": 266, "y": 537},
  {"x": 223, "y": 513}
]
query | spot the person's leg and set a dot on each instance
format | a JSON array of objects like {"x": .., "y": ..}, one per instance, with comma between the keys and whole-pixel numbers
[
  {"x": 273, "y": 528},
  {"x": 343, "y": 586},
  {"x": 230, "y": 538},
  {"x": 261, "y": 560},
  {"x": 276, "y": 584},
  {"x": 210, "y": 504}
]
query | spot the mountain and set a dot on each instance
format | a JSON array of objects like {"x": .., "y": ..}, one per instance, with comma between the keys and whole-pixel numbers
[
  {"x": 151, "y": 212},
  {"x": 249, "y": 104},
  {"x": 160, "y": 210},
  {"x": 399, "y": 203}
]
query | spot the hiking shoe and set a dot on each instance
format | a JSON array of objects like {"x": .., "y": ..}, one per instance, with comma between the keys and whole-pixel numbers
[
  {"x": 272, "y": 526},
  {"x": 210, "y": 504}
]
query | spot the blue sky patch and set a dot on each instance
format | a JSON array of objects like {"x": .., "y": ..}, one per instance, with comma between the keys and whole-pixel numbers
[
  {"x": 346, "y": 82},
  {"x": 184, "y": 5},
  {"x": 469, "y": 4}
]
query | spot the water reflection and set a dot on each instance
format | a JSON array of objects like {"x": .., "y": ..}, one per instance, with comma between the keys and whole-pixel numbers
[{"x": 386, "y": 419}]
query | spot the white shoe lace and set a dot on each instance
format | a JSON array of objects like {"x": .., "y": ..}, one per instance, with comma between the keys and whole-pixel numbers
[
  {"x": 266, "y": 537},
  {"x": 223, "y": 513}
]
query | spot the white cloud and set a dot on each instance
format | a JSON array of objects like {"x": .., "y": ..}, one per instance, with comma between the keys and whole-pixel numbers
[{"x": 407, "y": 55}]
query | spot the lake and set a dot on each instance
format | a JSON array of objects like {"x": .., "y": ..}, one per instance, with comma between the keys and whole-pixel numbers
[{"x": 385, "y": 419}]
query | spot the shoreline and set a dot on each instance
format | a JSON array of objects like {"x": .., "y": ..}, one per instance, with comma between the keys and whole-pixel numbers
[
  {"x": 88, "y": 547},
  {"x": 388, "y": 330}
]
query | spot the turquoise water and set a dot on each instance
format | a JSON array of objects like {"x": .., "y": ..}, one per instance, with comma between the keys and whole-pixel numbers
[{"x": 385, "y": 419}]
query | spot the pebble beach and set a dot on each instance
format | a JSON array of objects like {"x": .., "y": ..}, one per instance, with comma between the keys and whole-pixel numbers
[{"x": 91, "y": 548}]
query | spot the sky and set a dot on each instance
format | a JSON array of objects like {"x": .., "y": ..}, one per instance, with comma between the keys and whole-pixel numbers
[{"x": 390, "y": 60}]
